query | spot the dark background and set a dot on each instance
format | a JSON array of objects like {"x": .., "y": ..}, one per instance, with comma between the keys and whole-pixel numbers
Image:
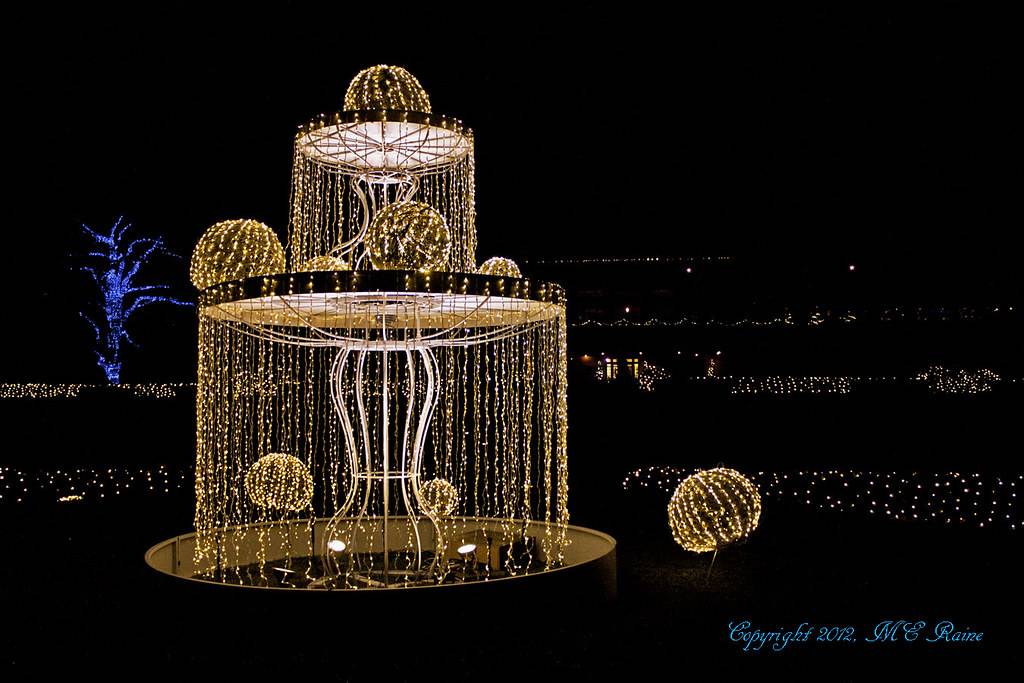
[
  {"x": 889, "y": 137},
  {"x": 796, "y": 141}
]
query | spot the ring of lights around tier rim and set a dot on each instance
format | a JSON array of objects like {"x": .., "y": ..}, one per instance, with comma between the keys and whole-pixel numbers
[
  {"x": 383, "y": 143},
  {"x": 586, "y": 547},
  {"x": 373, "y": 300}
]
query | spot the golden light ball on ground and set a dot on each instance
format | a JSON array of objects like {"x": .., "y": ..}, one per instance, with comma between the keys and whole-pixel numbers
[
  {"x": 499, "y": 266},
  {"x": 440, "y": 497},
  {"x": 279, "y": 482},
  {"x": 408, "y": 236},
  {"x": 386, "y": 87},
  {"x": 235, "y": 249},
  {"x": 324, "y": 263},
  {"x": 713, "y": 508}
]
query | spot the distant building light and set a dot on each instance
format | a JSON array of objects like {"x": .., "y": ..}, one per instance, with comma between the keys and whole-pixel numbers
[
  {"x": 852, "y": 267},
  {"x": 689, "y": 269},
  {"x": 627, "y": 309}
]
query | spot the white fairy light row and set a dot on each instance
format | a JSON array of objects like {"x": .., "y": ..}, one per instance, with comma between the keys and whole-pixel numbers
[
  {"x": 938, "y": 380},
  {"x": 682, "y": 322},
  {"x": 782, "y": 385},
  {"x": 816, "y": 318},
  {"x": 962, "y": 381},
  {"x": 40, "y": 390},
  {"x": 945, "y": 497},
  {"x": 626, "y": 259},
  {"x": 69, "y": 485}
]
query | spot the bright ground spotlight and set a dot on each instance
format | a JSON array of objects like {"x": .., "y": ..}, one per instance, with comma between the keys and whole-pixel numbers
[
  {"x": 336, "y": 545},
  {"x": 466, "y": 549}
]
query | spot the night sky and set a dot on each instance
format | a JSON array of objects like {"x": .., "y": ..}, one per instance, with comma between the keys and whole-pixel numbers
[{"x": 597, "y": 133}]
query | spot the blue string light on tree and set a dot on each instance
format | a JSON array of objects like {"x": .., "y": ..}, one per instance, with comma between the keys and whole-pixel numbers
[{"x": 114, "y": 265}]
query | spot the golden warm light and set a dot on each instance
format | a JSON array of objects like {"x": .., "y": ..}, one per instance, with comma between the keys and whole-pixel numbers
[
  {"x": 279, "y": 481},
  {"x": 409, "y": 236},
  {"x": 500, "y": 267},
  {"x": 324, "y": 263},
  {"x": 439, "y": 497},
  {"x": 235, "y": 249},
  {"x": 384, "y": 87},
  {"x": 712, "y": 509}
]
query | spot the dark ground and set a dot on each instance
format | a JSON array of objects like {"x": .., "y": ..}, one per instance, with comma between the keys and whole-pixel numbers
[{"x": 78, "y": 597}]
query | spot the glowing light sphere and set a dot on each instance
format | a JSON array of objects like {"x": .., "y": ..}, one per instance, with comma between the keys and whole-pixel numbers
[
  {"x": 279, "y": 482},
  {"x": 440, "y": 497},
  {"x": 386, "y": 87},
  {"x": 713, "y": 508},
  {"x": 408, "y": 236},
  {"x": 500, "y": 266},
  {"x": 324, "y": 263},
  {"x": 235, "y": 249}
]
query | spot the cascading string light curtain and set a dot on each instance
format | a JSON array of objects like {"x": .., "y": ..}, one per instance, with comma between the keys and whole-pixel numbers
[
  {"x": 329, "y": 209},
  {"x": 497, "y": 433}
]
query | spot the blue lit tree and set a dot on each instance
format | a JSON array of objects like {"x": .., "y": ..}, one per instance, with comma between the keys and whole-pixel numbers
[{"x": 114, "y": 267}]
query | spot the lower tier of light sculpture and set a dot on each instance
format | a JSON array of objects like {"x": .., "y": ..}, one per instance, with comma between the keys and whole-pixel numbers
[
  {"x": 382, "y": 429},
  {"x": 283, "y": 556}
]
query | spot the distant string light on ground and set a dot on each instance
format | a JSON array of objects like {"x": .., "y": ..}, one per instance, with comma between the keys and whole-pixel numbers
[
  {"x": 77, "y": 484},
  {"x": 682, "y": 322},
  {"x": 937, "y": 379},
  {"x": 815, "y": 317},
  {"x": 39, "y": 390},
  {"x": 944, "y": 381},
  {"x": 782, "y": 385},
  {"x": 628, "y": 259},
  {"x": 973, "y": 499}
]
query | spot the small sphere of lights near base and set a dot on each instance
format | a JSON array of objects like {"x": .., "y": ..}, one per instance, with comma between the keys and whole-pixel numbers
[
  {"x": 713, "y": 508},
  {"x": 499, "y": 266},
  {"x": 235, "y": 249},
  {"x": 326, "y": 263},
  {"x": 279, "y": 482},
  {"x": 384, "y": 87},
  {"x": 440, "y": 497},
  {"x": 408, "y": 236}
]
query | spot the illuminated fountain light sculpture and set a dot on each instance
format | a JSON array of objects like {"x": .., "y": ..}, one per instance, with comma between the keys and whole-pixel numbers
[{"x": 425, "y": 400}]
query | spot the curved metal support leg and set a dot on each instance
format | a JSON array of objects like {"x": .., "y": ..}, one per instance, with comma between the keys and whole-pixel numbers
[
  {"x": 438, "y": 567},
  {"x": 409, "y": 189},
  {"x": 397, "y": 454},
  {"x": 346, "y": 248}
]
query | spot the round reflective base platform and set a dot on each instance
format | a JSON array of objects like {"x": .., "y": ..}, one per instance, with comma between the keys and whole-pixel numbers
[{"x": 475, "y": 562}]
